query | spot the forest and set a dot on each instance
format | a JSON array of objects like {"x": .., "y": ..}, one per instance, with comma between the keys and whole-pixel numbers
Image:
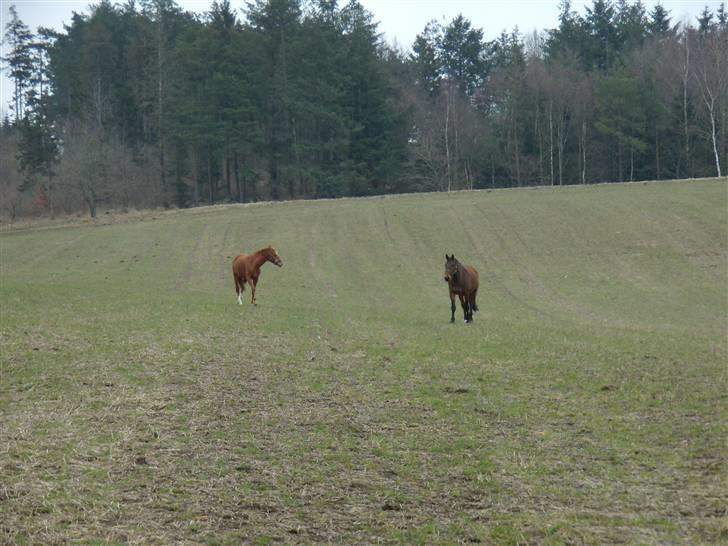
[{"x": 141, "y": 104}]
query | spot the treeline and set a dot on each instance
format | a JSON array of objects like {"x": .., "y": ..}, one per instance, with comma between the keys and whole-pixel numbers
[{"x": 144, "y": 104}]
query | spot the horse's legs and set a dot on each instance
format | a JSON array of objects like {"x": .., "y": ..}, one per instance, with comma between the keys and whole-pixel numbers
[
  {"x": 239, "y": 287},
  {"x": 452, "y": 307},
  {"x": 464, "y": 305},
  {"x": 475, "y": 305},
  {"x": 252, "y": 282}
]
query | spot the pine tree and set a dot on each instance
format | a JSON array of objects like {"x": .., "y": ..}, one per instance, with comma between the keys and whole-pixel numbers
[
  {"x": 722, "y": 17},
  {"x": 163, "y": 13},
  {"x": 38, "y": 153},
  {"x": 705, "y": 21},
  {"x": 19, "y": 60},
  {"x": 659, "y": 22},
  {"x": 39, "y": 88},
  {"x": 571, "y": 39},
  {"x": 621, "y": 110},
  {"x": 631, "y": 25},
  {"x": 462, "y": 53},
  {"x": 426, "y": 58},
  {"x": 322, "y": 134},
  {"x": 378, "y": 129},
  {"x": 508, "y": 80},
  {"x": 278, "y": 22},
  {"x": 232, "y": 98},
  {"x": 604, "y": 43}
]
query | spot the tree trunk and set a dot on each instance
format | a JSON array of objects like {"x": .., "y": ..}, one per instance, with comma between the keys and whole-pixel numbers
[
  {"x": 98, "y": 103},
  {"x": 296, "y": 185},
  {"x": 516, "y": 150},
  {"x": 468, "y": 175},
  {"x": 724, "y": 130},
  {"x": 51, "y": 210},
  {"x": 631, "y": 164},
  {"x": 560, "y": 151},
  {"x": 90, "y": 198},
  {"x": 236, "y": 173},
  {"x": 228, "y": 178},
  {"x": 40, "y": 74},
  {"x": 209, "y": 174},
  {"x": 685, "y": 80},
  {"x": 619, "y": 159},
  {"x": 583, "y": 152},
  {"x": 447, "y": 139},
  {"x": 160, "y": 99},
  {"x": 18, "y": 101},
  {"x": 715, "y": 143},
  {"x": 709, "y": 100},
  {"x": 657, "y": 154},
  {"x": 551, "y": 139},
  {"x": 196, "y": 173},
  {"x": 537, "y": 130},
  {"x": 457, "y": 147},
  {"x": 178, "y": 182}
]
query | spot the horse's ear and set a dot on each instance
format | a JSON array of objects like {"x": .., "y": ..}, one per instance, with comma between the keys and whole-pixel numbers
[{"x": 452, "y": 257}]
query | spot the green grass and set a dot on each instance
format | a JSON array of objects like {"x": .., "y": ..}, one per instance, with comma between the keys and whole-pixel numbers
[{"x": 587, "y": 403}]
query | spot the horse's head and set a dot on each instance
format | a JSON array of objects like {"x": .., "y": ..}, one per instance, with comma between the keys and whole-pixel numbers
[
  {"x": 452, "y": 268},
  {"x": 273, "y": 257}
]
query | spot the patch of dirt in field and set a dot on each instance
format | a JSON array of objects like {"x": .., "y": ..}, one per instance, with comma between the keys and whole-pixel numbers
[
  {"x": 702, "y": 499},
  {"x": 118, "y": 216},
  {"x": 248, "y": 443},
  {"x": 186, "y": 274},
  {"x": 103, "y": 219}
]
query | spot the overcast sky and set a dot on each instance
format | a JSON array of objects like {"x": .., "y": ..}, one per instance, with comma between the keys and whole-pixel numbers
[{"x": 399, "y": 20}]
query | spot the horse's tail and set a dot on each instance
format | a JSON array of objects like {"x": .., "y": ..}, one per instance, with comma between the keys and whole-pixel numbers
[{"x": 476, "y": 277}]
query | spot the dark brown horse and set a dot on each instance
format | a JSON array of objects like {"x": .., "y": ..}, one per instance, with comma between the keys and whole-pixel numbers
[
  {"x": 246, "y": 268},
  {"x": 463, "y": 281}
]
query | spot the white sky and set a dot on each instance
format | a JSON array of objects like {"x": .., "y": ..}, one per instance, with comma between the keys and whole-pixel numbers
[{"x": 399, "y": 20}]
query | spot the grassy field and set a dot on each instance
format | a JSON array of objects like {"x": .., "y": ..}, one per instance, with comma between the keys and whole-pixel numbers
[{"x": 587, "y": 403}]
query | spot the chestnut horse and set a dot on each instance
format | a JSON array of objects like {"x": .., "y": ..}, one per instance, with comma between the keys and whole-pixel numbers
[
  {"x": 246, "y": 268},
  {"x": 463, "y": 281}
]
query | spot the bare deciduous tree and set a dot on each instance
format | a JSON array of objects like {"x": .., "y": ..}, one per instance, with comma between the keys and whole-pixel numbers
[
  {"x": 96, "y": 168},
  {"x": 711, "y": 74}
]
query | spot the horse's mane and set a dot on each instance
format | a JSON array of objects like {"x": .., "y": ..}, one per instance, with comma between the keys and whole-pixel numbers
[{"x": 265, "y": 250}]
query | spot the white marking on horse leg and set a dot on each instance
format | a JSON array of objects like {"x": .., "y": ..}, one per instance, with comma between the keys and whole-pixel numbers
[{"x": 240, "y": 300}]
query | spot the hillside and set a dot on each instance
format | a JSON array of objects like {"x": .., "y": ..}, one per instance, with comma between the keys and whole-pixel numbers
[{"x": 586, "y": 403}]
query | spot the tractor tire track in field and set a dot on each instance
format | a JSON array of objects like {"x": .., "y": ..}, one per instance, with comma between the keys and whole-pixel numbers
[
  {"x": 504, "y": 246},
  {"x": 314, "y": 265},
  {"x": 49, "y": 254},
  {"x": 226, "y": 256},
  {"x": 490, "y": 275},
  {"x": 186, "y": 275},
  {"x": 386, "y": 224}
]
